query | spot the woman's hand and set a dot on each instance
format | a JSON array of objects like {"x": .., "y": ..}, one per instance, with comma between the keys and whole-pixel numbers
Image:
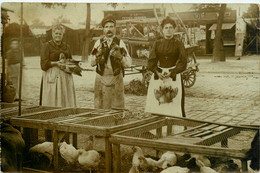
[
  {"x": 62, "y": 66},
  {"x": 54, "y": 63},
  {"x": 160, "y": 75}
]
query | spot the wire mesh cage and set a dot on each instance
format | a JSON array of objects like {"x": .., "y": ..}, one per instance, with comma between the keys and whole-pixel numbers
[
  {"x": 24, "y": 110},
  {"x": 218, "y": 143},
  {"x": 89, "y": 128}
]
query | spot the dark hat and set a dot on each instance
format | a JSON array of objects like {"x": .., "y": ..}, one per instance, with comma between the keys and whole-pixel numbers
[
  {"x": 168, "y": 20},
  {"x": 108, "y": 18}
]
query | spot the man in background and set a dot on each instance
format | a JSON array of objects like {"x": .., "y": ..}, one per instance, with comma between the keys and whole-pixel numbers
[{"x": 13, "y": 57}]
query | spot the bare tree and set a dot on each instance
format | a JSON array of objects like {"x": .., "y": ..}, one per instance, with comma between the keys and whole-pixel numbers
[
  {"x": 85, "y": 51},
  {"x": 218, "y": 49}
]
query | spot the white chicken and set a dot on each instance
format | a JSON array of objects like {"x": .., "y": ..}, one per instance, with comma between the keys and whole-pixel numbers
[
  {"x": 202, "y": 158},
  {"x": 176, "y": 169},
  {"x": 46, "y": 148},
  {"x": 147, "y": 164},
  {"x": 138, "y": 152},
  {"x": 203, "y": 168},
  {"x": 168, "y": 158},
  {"x": 69, "y": 153},
  {"x": 88, "y": 159}
]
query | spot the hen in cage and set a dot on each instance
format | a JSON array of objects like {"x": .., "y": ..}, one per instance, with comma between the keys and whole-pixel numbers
[
  {"x": 89, "y": 160},
  {"x": 69, "y": 153}
]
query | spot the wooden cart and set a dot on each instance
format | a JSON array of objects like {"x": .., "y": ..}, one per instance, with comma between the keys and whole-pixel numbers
[
  {"x": 78, "y": 120},
  {"x": 197, "y": 138},
  {"x": 139, "y": 42}
]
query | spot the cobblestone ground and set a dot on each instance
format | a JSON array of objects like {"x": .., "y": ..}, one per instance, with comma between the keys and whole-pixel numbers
[{"x": 221, "y": 92}]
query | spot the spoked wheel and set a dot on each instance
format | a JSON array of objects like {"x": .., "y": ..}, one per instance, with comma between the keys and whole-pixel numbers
[{"x": 189, "y": 78}]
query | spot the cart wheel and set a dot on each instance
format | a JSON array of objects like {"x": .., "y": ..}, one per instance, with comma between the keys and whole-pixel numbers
[
  {"x": 147, "y": 77},
  {"x": 189, "y": 78}
]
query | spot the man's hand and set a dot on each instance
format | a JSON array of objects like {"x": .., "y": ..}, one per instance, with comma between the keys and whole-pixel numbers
[{"x": 116, "y": 53}]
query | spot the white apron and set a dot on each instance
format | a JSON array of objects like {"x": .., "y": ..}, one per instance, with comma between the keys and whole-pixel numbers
[
  {"x": 58, "y": 88},
  {"x": 160, "y": 105}
]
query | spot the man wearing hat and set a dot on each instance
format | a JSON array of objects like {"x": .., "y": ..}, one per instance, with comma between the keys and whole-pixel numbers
[{"x": 110, "y": 56}]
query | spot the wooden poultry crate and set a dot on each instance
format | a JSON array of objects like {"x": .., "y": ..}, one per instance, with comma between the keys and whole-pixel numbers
[
  {"x": 197, "y": 138},
  {"x": 7, "y": 112},
  {"x": 76, "y": 120},
  {"x": 11, "y": 108}
]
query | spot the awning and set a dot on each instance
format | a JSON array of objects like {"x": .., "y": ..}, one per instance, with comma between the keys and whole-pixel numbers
[{"x": 224, "y": 26}]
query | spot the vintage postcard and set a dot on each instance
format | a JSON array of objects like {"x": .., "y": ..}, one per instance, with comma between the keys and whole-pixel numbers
[{"x": 130, "y": 87}]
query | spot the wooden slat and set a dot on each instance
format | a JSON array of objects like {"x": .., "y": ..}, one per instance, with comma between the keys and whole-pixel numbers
[
  {"x": 203, "y": 134},
  {"x": 182, "y": 122},
  {"x": 179, "y": 139},
  {"x": 181, "y": 147},
  {"x": 117, "y": 158},
  {"x": 220, "y": 128},
  {"x": 143, "y": 128},
  {"x": 108, "y": 155},
  {"x": 169, "y": 129},
  {"x": 85, "y": 114},
  {"x": 217, "y": 137},
  {"x": 31, "y": 170},
  {"x": 55, "y": 150},
  {"x": 74, "y": 120},
  {"x": 45, "y": 115},
  {"x": 75, "y": 140},
  {"x": 190, "y": 120},
  {"x": 129, "y": 125},
  {"x": 191, "y": 129},
  {"x": 159, "y": 132},
  {"x": 195, "y": 132},
  {"x": 209, "y": 127},
  {"x": 62, "y": 127}
]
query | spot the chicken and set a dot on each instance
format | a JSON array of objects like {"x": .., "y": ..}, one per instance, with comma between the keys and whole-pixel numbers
[
  {"x": 134, "y": 169},
  {"x": 70, "y": 65},
  {"x": 147, "y": 164},
  {"x": 168, "y": 158},
  {"x": 68, "y": 153},
  {"x": 46, "y": 148},
  {"x": 88, "y": 159},
  {"x": 138, "y": 152},
  {"x": 202, "y": 158},
  {"x": 175, "y": 169},
  {"x": 203, "y": 168}
]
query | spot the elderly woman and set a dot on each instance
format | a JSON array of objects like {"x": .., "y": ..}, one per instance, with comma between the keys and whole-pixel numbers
[
  {"x": 167, "y": 60},
  {"x": 57, "y": 85}
]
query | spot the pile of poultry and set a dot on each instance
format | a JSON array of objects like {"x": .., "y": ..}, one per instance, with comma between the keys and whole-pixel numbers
[
  {"x": 170, "y": 162},
  {"x": 165, "y": 93},
  {"x": 87, "y": 160}
]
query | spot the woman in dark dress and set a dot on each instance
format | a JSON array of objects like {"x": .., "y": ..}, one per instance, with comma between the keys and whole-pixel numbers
[
  {"x": 167, "y": 60},
  {"x": 58, "y": 86}
]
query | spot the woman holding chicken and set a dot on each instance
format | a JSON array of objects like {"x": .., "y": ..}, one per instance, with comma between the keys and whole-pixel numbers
[
  {"x": 57, "y": 85},
  {"x": 167, "y": 60}
]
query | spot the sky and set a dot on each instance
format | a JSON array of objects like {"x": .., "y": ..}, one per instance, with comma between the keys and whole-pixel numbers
[{"x": 76, "y": 12}]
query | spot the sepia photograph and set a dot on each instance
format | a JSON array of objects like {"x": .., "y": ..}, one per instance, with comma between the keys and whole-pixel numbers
[{"x": 127, "y": 87}]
